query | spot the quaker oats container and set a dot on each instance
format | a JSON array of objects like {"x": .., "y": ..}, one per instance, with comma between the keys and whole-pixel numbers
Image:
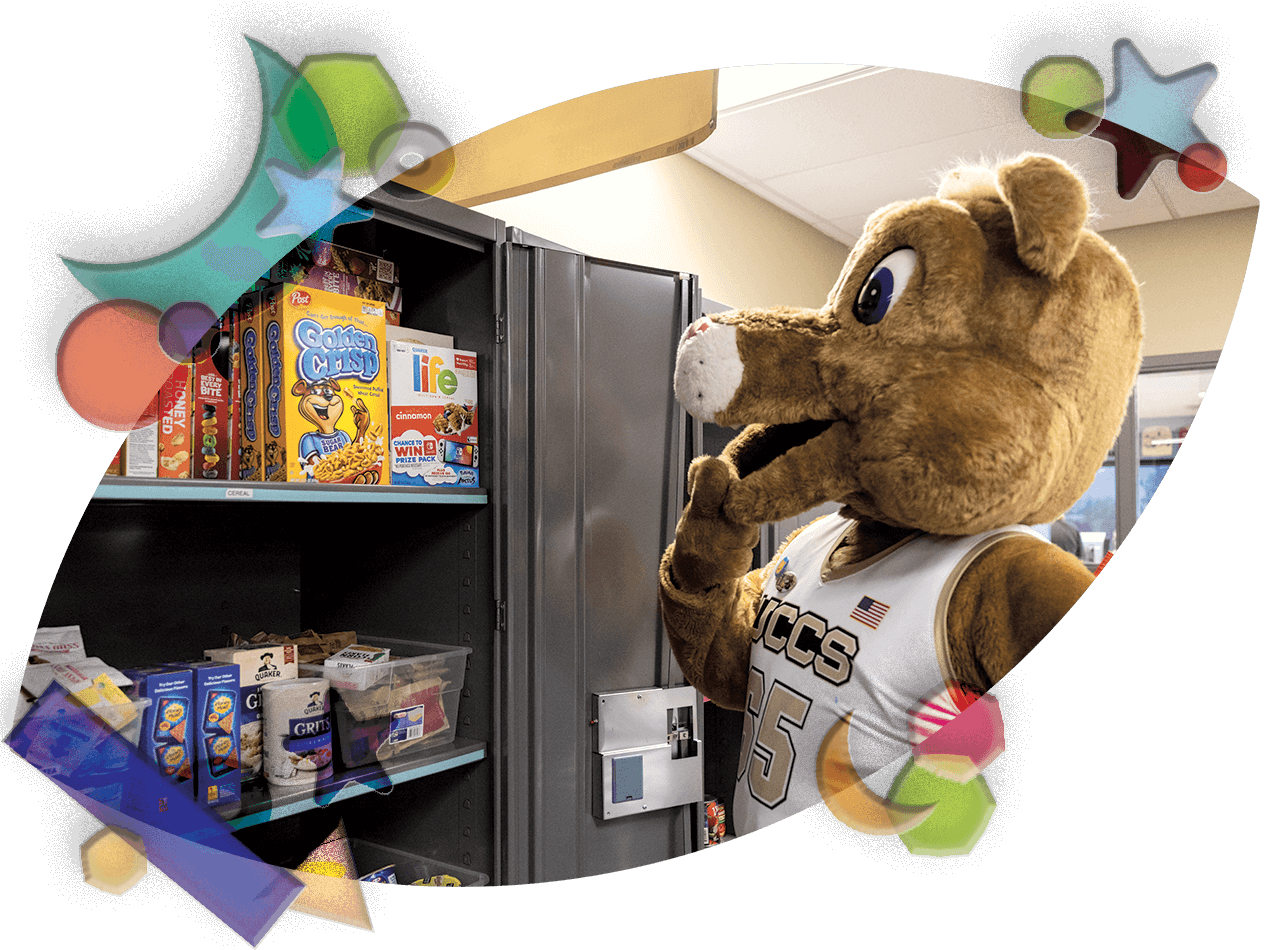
[{"x": 297, "y": 731}]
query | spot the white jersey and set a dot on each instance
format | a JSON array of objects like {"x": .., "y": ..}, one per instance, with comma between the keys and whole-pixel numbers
[{"x": 869, "y": 639}]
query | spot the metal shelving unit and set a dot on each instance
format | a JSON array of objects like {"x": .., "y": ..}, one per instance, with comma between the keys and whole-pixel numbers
[
  {"x": 262, "y": 804},
  {"x": 114, "y": 488}
]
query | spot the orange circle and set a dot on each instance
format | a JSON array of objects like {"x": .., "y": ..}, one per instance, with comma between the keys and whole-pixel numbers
[{"x": 110, "y": 364}]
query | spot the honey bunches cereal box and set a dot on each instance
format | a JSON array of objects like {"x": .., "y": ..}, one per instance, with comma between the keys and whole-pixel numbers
[
  {"x": 326, "y": 402},
  {"x": 175, "y": 441},
  {"x": 433, "y": 415}
]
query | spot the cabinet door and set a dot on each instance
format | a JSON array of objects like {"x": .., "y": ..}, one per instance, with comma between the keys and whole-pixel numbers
[{"x": 595, "y": 465}]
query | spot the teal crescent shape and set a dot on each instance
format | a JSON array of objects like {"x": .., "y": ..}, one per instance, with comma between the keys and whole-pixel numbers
[{"x": 183, "y": 274}]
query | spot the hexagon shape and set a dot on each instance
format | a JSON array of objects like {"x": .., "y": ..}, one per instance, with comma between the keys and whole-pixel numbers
[
  {"x": 113, "y": 859},
  {"x": 961, "y": 815},
  {"x": 361, "y": 102}
]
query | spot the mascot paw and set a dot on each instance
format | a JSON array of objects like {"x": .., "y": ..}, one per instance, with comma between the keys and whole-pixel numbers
[{"x": 709, "y": 548}]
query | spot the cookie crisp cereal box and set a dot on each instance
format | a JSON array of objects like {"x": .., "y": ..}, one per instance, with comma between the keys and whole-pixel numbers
[
  {"x": 433, "y": 413},
  {"x": 326, "y": 394}
]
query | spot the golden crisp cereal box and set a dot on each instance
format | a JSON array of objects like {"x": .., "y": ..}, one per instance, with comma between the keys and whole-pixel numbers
[
  {"x": 326, "y": 403},
  {"x": 248, "y": 405},
  {"x": 175, "y": 440}
]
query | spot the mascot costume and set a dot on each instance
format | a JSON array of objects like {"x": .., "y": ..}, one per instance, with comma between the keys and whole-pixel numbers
[{"x": 965, "y": 379}]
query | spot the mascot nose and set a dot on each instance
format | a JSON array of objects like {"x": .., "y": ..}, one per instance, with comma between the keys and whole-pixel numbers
[{"x": 708, "y": 369}]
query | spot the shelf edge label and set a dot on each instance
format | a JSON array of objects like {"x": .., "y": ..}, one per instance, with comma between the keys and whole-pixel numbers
[{"x": 238, "y": 492}]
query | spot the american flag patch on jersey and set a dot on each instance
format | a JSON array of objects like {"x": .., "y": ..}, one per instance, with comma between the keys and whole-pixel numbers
[{"x": 869, "y": 612}]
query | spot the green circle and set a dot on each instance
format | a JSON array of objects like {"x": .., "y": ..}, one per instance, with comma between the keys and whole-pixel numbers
[
  {"x": 1057, "y": 86},
  {"x": 959, "y": 819}
]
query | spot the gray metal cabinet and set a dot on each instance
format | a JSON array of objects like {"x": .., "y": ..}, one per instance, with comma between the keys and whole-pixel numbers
[{"x": 551, "y": 580}]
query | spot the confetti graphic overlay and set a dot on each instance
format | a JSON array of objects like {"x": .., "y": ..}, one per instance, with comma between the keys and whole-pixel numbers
[{"x": 1148, "y": 118}]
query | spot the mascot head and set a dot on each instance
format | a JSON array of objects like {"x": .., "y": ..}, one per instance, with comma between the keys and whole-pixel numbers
[{"x": 969, "y": 370}]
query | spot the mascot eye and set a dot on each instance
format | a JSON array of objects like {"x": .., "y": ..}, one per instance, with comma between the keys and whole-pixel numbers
[{"x": 884, "y": 285}]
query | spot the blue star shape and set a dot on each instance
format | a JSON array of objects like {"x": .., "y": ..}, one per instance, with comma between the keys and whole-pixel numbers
[
  {"x": 307, "y": 199},
  {"x": 1159, "y": 107},
  {"x": 349, "y": 215},
  {"x": 1150, "y": 117}
]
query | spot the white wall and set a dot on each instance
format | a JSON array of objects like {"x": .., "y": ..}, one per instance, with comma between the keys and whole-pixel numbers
[{"x": 677, "y": 214}]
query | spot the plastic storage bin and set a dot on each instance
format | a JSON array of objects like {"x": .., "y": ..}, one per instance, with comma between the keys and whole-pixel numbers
[
  {"x": 410, "y": 867},
  {"x": 400, "y": 706}
]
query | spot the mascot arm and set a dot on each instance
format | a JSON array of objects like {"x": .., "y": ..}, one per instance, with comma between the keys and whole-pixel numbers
[
  {"x": 1007, "y": 600},
  {"x": 711, "y": 632}
]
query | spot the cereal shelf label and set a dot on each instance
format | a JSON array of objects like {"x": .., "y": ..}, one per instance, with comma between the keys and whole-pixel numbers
[{"x": 326, "y": 403}]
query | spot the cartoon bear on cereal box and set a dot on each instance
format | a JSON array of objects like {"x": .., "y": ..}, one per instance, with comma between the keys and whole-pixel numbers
[{"x": 327, "y": 395}]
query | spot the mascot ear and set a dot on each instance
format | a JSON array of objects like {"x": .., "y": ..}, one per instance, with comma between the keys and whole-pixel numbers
[{"x": 1049, "y": 206}]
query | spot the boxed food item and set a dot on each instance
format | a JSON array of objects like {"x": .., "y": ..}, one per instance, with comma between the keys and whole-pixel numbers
[
  {"x": 141, "y": 453},
  {"x": 405, "y": 704},
  {"x": 167, "y": 735},
  {"x": 257, "y": 665},
  {"x": 425, "y": 337},
  {"x": 175, "y": 442},
  {"x": 326, "y": 388},
  {"x": 314, "y": 251},
  {"x": 434, "y": 426},
  {"x": 354, "y": 656},
  {"x": 310, "y": 646},
  {"x": 213, "y": 453},
  {"x": 715, "y": 821},
  {"x": 116, "y": 464},
  {"x": 337, "y": 282},
  {"x": 217, "y": 758},
  {"x": 249, "y": 401}
]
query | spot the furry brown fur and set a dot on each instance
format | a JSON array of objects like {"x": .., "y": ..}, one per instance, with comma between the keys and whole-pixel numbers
[{"x": 987, "y": 394}]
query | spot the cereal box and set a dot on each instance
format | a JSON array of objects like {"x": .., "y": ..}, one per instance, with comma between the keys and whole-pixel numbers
[
  {"x": 211, "y": 384},
  {"x": 167, "y": 735},
  {"x": 141, "y": 457},
  {"x": 175, "y": 441},
  {"x": 215, "y": 722},
  {"x": 338, "y": 282},
  {"x": 355, "y": 656},
  {"x": 249, "y": 417},
  {"x": 326, "y": 402},
  {"x": 433, "y": 415},
  {"x": 257, "y": 665},
  {"x": 312, "y": 252},
  {"x": 116, "y": 464}
]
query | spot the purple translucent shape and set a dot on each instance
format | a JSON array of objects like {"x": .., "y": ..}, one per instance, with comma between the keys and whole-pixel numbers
[{"x": 183, "y": 325}]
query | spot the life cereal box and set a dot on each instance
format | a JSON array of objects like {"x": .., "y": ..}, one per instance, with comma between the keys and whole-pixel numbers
[
  {"x": 326, "y": 403},
  {"x": 257, "y": 665},
  {"x": 249, "y": 405},
  {"x": 433, "y": 415},
  {"x": 175, "y": 442}
]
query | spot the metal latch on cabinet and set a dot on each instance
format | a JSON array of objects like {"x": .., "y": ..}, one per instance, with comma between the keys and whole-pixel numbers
[{"x": 647, "y": 754}]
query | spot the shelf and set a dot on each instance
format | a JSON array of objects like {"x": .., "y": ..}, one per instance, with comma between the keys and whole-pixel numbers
[
  {"x": 262, "y": 804},
  {"x": 180, "y": 489}
]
